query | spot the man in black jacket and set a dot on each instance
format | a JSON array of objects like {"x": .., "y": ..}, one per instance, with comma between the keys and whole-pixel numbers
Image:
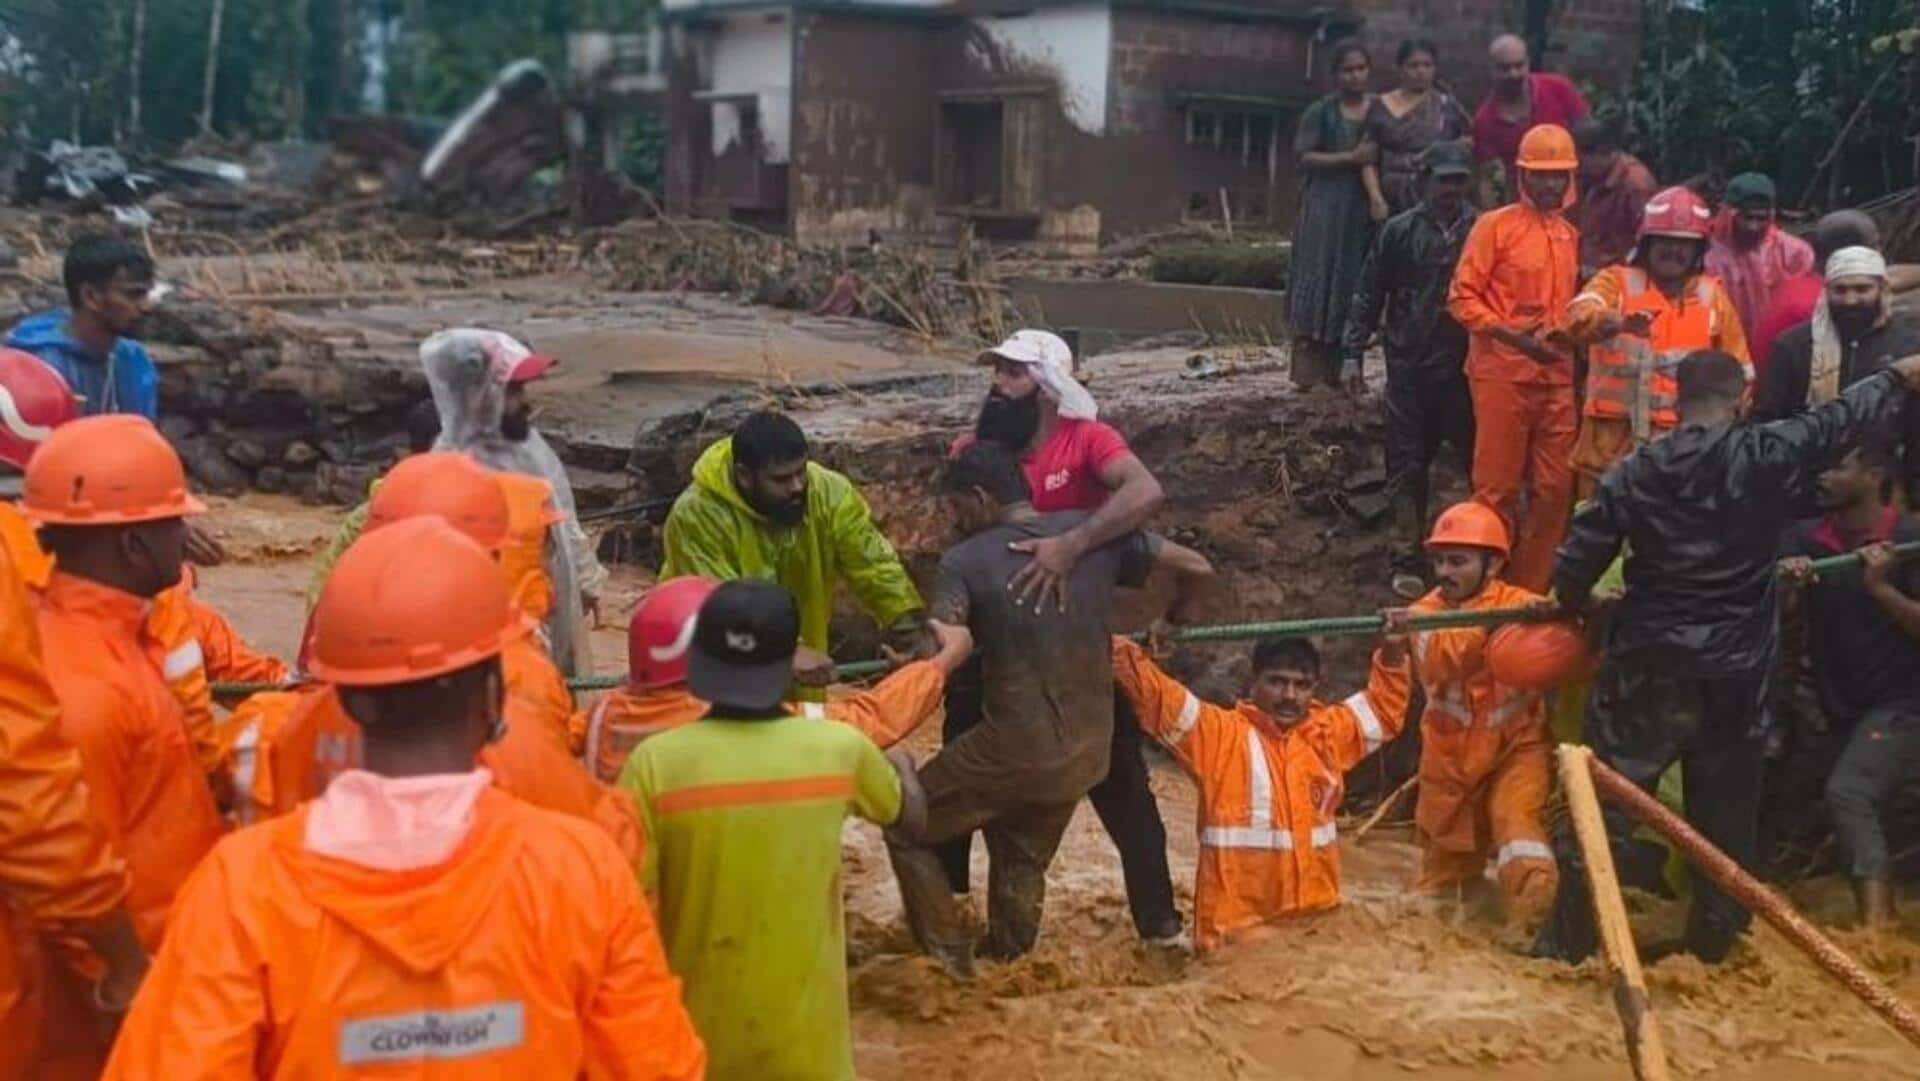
[
  {"x": 1406, "y": 274},
  {"x": 1692, "y": 643}
]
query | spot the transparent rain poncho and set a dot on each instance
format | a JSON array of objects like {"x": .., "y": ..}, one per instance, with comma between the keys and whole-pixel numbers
[{"x": 469, "y": 390}]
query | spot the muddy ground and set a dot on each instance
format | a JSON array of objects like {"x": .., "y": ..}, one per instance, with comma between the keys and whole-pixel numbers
[{"x": 1388, "y": 986}]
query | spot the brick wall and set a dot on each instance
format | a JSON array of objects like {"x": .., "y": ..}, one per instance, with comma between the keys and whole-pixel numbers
[{"x": 1592, "y": 41}]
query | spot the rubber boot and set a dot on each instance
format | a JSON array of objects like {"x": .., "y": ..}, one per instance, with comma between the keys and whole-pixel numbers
[{"x": 1874, "y": 896}]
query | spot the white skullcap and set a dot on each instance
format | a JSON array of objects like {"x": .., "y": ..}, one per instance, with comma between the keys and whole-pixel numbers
[
  {"x": 1856, "y": 262},
  {"x": 1052, "y": 365}
]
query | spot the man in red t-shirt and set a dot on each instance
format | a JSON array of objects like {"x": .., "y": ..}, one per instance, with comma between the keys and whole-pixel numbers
[
  {"x": 1073, "y": 462},
  {"x": 1521, "y": 99}
]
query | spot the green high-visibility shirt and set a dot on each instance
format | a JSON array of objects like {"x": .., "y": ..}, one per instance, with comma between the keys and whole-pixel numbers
[{"x": 743, "y": 825}]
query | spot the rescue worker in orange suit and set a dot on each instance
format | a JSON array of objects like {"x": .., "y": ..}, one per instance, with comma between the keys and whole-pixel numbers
[
  {"x": 1483, "y": 753},
  {"x": 415, "y": 919},
  {"x": 1691, "y": 648},
  {"x": 1514, "y": 281},
  {"x": 656, "y": 697},
  {"x": 59, "y": 873},
  {"x": 303, "y": 741},
  {"x": 109, "y": 495},
  {"x": 41, "y": 403},
  {"x": 1271, "y": 773},
  {"x": 1638, "y": 321}
]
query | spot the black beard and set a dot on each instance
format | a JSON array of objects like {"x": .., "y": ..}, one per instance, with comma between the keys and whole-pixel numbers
[
  {"x": 1852, "y": 322},
  {"x": 784, "y": 514},
  {"x": 1008, "y": 422}
]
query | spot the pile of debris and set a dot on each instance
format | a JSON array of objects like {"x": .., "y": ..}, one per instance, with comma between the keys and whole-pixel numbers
[{"x": 901, "y": 287}]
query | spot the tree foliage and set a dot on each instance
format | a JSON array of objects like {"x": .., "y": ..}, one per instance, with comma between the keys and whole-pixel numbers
[
  {"x": 1724, "y": 86},
  {"x": 284, "y": 66}
]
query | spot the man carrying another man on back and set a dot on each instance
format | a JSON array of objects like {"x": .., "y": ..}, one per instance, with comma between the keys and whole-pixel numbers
[
  {"x": 1046, "y": 729},
  {"x": 1039, "y": 413}
]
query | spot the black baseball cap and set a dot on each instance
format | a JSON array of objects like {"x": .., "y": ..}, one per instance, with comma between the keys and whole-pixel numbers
[
  {"x": 1448, "y": 159},
  {"x": 743, "y": 645}
]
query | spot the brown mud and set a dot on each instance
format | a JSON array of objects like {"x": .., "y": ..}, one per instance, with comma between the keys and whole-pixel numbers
[{"x": 1388, "y": 986}]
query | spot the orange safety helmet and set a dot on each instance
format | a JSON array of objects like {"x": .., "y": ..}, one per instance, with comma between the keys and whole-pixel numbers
[
  {"x": 662, "y": 631},
  {"x": 34, "y": 400},
  {"x": 1538, "y": 656},
  {"x": 1676, "y": 212},
  {"x": 1473, "y": 525},
  {"x": 1547, "y": 148},
  {"x": 447, "y": 484},
  {"x": 412, "y": 601},
  {"x": 115, "y": 469}
]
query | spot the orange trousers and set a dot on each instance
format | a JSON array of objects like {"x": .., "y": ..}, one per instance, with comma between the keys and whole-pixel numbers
[
  {"x": 1524, "y": 435},
  {"x": 1509, "y": 830}
]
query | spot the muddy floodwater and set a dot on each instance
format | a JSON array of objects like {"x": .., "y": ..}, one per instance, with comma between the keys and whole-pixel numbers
[{"x": 1389, "y": 986}]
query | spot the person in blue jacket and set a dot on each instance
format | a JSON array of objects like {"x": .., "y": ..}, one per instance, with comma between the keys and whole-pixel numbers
[{"x": 109, "y": 281}]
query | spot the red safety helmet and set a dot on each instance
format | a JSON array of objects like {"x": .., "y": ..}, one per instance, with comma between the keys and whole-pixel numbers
[
  {"x": 34, "y": 400},
  {"x": 1538, "y": 656},
  {"x": 661, "y": 632},
  {"x": 1472, "y": 525},
  {"x": 1676, "y": 212}
]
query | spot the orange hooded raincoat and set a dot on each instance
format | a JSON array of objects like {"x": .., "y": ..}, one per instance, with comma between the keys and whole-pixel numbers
[
  {"x": 527, "y": 953},
  {"x": 1268, "y": 843},
  {"x": 289, "y": 745},
  {"x": 1483, "y": 763},
  {"x": 620, "y": 720},
  {"x": 58, "y": 869},
  {"x": 1517, "y": 271},
  {"x": 145, "y": 785}
]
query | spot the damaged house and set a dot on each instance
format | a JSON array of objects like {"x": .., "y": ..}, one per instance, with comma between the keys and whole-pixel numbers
[{"x": 1063, "y": 123}]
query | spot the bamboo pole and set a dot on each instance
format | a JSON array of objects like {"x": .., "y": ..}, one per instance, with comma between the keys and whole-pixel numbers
[
  {"x": 1386, "y": 805},
  {"x": 1645, "y": 1049},
  {"x": 1770, "y": 906}
]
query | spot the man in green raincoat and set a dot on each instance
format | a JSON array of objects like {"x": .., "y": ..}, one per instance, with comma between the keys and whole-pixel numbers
[{"x": 758, "y": 508}]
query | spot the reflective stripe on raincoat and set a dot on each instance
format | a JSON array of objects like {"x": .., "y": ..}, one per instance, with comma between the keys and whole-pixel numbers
[{"x": 1268, "y": 794}]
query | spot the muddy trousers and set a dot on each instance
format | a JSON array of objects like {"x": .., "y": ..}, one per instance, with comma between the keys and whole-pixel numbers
[
  {"x": 1021, "y": 842},
  {"x": 1641, "y": 720},
  {"x": 1124, "y": 801},
  {"x": 1427, "y": 406},
  {"x": 1523, "y": 440},
  {"x": 1509, "y": 810},
  {"x": 1882, "y": 753}
]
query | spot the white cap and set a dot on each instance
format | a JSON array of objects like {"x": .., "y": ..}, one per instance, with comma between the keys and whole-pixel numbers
[
  {"x": 1052, "y": 364},
  {"x": 1856, "y": 262}
]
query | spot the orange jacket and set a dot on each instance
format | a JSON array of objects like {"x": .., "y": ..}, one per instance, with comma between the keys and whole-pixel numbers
[
  {"x": 1268, "y": 843},
  {"x": 612, "y": 727},
  {"x": 1633, "y": 378},
  {"x": 537, "y": 695},
  {"x": 142, "y": 779},
  {"x": 527, "y": 954},
  {"x": 58, "y": 868},
  {"x": 1471, "y": 723},
  {"x": 289, "y": 745},
  {"x": 530, "y": 514},
  {"x": 1517, "y": 271}
]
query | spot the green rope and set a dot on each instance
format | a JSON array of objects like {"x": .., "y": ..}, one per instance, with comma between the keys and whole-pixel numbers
[{"x": 1324, "y": 627}]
